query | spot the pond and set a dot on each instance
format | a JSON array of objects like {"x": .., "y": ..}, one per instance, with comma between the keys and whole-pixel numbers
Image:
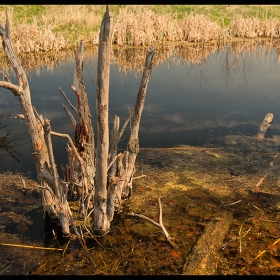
[
  {"x": 199, "y": 152},
  {"x": 192, "y": 98}
]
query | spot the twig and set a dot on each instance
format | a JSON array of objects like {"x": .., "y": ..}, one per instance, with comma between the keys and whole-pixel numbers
[
  {"x": 264, "y": 220},
  {"x": 138, "y": 177},
  {"x": 5, "y": 268},
  {"x": 239, "y": 233},
  {"x": 233, "y": 239},
  {"x": 226, "y": 205},
  {"x": 180, "y": 148},
  {"x": 114, "y": 159},
  {"x": 260, "y": 182},
  {"x": 242, "y": 134},
  {"x": 31, "y": 247},
  {"x": 5, "y": 77},
  {"x": 68, "y": 101},
  {"x": 261, "y": 253},
  {"x": 257, "y": 207},
  {"x": 38, "y": 116},
  {"x": 159, "y": 224},
  {"x": 71, "y": 117},
  {"x": 65, "y": 248}
]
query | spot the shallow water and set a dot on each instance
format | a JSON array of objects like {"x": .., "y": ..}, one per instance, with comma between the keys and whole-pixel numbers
[
  {"x": 195, "y": 185},
  {"x": 215, "y": 106},
  {"x": 186, "y": 103}
]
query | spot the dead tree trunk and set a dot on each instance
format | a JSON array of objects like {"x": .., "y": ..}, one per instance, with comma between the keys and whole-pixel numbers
[
  {"x": 100, "y": 172},
  {"x": 36, "y": 129},
  {"x": 116, "y": 183},
  {"x": 133, "y": 143},
  {"x": 81, "y": 172},
  {"x": 101, "y": 225}
]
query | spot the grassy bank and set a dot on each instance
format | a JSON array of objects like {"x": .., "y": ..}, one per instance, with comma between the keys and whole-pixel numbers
[{"x": 38, "y": 28}]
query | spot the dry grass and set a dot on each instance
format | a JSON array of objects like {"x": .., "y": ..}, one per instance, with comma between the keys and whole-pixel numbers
[
  {"x": 199, "y": 28},
  {"x": 254, "y": 27},
  {"x": 61, "y": 26},
  {"x": 139, "y": 26}
]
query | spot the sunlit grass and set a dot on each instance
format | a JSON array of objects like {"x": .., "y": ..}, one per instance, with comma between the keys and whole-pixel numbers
[{"x": 37, "y": 28}]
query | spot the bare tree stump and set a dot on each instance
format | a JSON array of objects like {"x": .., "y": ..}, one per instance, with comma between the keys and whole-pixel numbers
[
  {"x": 267, "y": 121},
  {"x": 204, "y": 257}
]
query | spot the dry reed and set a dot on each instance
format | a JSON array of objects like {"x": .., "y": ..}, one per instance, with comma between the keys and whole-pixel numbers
[
  {"x": 254, "y": 27},
  {"x": 63, "y": 25}
]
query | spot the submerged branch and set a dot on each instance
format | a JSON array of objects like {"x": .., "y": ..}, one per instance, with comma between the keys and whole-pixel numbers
[{"x": 159, "y": 224}]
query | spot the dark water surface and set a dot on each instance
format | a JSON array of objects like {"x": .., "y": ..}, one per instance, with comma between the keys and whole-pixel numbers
[{"x": 189, "y": 104}]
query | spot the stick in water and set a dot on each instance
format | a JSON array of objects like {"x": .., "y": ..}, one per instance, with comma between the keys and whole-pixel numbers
[{"x": 267, "y": 121}]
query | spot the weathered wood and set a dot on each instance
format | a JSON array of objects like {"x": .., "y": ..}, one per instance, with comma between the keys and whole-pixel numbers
[
  {"x": 204, "y": 257},
  {"x": 159, "y": 224},
  {"x": 113, "y": 145},
  {"x": 47, "y": 130},
  {"x": 101, "y": 225},
  {"x": 133, "y": 143},
  {"x": 267, "y": 121},
  {"x": 22, "y": 91},
  {"x": 42, "y": 153},
  {"x": 84, "y": 130}
]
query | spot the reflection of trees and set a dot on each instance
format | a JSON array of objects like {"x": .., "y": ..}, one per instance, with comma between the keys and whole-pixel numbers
[
  {"x": 132, "y": 59},
  {"x": 238, "y": 56},
  {"x": 38, "y": 61},
  {"x": 10, "y": 141}
]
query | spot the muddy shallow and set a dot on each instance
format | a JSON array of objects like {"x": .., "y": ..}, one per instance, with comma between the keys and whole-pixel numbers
[{"x": 194, "y": 184}]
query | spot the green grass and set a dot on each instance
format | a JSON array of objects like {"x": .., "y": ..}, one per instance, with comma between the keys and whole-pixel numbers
[
  {"x": 25, "y": 12},
  {"x": 216, "y": 12}
]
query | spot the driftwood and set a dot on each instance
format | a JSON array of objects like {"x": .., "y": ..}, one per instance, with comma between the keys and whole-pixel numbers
[
  {"x": 267, "y": 121},
  {"x": 204, "y": 256}
]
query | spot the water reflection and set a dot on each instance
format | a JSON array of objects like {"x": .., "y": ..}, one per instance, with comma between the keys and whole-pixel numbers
[{"x": 196, "y": 94}]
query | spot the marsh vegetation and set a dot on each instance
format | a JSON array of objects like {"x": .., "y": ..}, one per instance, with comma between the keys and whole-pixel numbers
[{"x": 43, "y": 28}]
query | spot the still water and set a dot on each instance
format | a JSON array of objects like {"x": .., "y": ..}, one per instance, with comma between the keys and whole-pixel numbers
[{"x": 187, "y": 103}]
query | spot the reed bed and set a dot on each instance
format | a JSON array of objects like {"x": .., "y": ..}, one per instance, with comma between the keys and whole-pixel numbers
[
  {"x": 199, "y": 28},
  {"x": 31, "y": 39},
  {"x": 61, "y": 26},
  {"x": 254, "y": 27},
  {"x": 138, "y": 27}
]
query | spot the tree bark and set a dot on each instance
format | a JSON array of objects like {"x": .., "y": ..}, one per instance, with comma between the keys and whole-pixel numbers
[
  {"x": 39, "y": 128},
  {"x": 85, "y": 141},
  {"x": 22, "y": 91},
  {"x": 133, "y": 143},
  {"x": 101, "y": 224}
]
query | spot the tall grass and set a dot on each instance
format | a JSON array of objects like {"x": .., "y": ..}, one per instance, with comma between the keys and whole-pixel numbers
[{"x": 43, "y": 28}]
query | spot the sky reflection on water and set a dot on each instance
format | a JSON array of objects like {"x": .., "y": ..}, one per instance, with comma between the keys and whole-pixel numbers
[{"x": 185, "y": 104}]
